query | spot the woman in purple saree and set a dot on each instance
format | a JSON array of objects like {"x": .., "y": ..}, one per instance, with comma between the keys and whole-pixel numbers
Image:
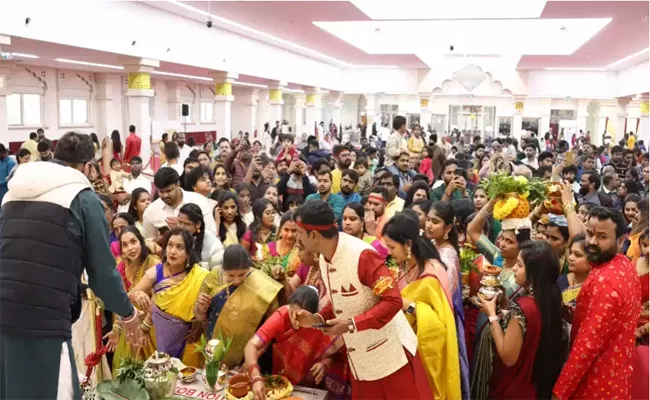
[{"x": 175, "y": 283}]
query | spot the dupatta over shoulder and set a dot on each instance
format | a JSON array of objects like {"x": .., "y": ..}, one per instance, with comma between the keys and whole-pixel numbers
[
  {"x": 436, "y": 329},
  {"x": 174, "y": 298}
]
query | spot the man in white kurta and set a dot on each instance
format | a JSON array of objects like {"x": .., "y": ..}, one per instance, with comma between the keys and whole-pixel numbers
[{"x": 365, "y": 308}]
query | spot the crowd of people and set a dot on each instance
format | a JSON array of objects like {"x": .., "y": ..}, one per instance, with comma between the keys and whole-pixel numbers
[{"x": 341, "y": 266}]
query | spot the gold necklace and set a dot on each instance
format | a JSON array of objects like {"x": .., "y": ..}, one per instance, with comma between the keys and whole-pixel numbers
[
  {"x": 133, "y": 275},
  {"x": 405, "y": 274}
]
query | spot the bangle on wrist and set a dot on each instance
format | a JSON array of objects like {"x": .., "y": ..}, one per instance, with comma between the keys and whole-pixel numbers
[
  {"x": 493, "y": 318},
  {"x": 252, "y": 368},
  {"x": 131, "y": 317},
  {"x": 257, "y": 379}
]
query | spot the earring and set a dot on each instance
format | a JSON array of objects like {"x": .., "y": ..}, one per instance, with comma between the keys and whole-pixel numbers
[
  {"x": 408, "y": 253},
  {"x": 446, "y": 237},
  {"x": 187, "y": 263}
]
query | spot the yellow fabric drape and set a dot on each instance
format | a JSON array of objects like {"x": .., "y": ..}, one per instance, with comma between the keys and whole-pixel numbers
[
  {"x": 124, "y": 349},
  {"x": 436, "y": 331},
  {"x": 243, "y": 311},
  {"x": 179, "y": 298}
]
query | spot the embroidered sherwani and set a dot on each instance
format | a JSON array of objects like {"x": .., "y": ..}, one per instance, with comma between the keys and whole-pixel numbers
[
  {"x": 602, "y": 334},
  {"x": 381, "y": 353}
]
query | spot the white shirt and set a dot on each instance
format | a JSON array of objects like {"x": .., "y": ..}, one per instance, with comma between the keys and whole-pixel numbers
[
  {"x": 533, "y": 163},
  {"x": 130, "y": 185},
  {"x": 212, "y": 251},
  {"x": 176, "y": 167},
  {"x": 184, "y": 153},
  {"x": 156, "y": 214}
]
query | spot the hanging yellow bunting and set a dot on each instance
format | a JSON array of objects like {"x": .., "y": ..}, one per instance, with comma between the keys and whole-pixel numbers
[
  {"x": 424, "y": 102},
  {"x": 139, "y": 80},
  {"x": 644, "y": 107},
  {"x": 223, "y": 89},
  {"x": 310, "y": 100},
  {"x": 275, "y": 94}
]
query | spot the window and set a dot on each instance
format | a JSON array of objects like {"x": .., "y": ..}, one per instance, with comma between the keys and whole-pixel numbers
[
  {"x": 24, "y": 109},
  {"x": 188, "y": 118},
  {"x": 73, "y": 111},
  {"x": 207, "y": 110}
]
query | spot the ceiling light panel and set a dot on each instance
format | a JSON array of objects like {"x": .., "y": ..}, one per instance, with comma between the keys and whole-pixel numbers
[
  {"x": 448, "y": 9},
  {"x": 501, "y": 37},
  {"x": 66, "y": 61}
]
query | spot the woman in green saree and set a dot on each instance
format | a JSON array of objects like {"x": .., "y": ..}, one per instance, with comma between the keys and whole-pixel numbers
[{"x": 234, "y": 301}]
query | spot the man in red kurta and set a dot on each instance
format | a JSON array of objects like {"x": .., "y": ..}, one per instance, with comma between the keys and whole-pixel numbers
[
  {"x": 365, "y": 309},
  {"x": 605, "y": 318},
  {"x": 132, "y": 149}
]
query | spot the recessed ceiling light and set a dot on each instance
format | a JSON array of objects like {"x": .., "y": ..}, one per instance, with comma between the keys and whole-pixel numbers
[
  {"x": 258, "y": 33},
  {"x": 573, "y": 69},
  {"x": 237, "y": 83},
  {"x": 631, "y": 56},
  {"x": 64, "y": 60},
  {"x": 23, "y": 55},
  {"x": 201, "y": 78}
]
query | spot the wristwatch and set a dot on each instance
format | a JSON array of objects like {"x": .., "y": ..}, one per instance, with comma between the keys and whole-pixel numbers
[
  {"x": 351, "y": 328},
  {"x": 411, "y": 309}
]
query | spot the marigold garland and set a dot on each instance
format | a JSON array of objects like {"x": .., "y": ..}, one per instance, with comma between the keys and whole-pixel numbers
[{"x": 503, "y": 207}]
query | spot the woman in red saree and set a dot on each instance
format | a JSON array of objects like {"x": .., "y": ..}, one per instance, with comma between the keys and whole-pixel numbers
[
  {"x": 524, "y": 351},
  {"x": 301, "y": 355}
]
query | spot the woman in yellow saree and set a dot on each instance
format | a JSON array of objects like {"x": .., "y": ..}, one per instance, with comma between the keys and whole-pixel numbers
[
  {"x": 235, "y": 300},
  {"x": 423, "y": 283},
  {"x": 136, "y": 259},
  {"x": 175, "y": 284}
]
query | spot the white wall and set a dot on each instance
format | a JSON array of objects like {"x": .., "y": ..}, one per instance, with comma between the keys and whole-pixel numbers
[
  {"x": 633, "y": 80},
  {"x": 52, "y": 84}
]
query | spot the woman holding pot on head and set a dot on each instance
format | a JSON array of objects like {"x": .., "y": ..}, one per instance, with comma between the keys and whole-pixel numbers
[
  {"x": 175, "y": 284},
  {"x": 523, "y": 351},
  {"x": 423, "y": 284},
  {"x": 136, "y": 260}
]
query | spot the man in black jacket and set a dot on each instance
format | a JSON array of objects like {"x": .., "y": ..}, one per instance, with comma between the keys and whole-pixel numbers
[{"x": 52, "y": 228}]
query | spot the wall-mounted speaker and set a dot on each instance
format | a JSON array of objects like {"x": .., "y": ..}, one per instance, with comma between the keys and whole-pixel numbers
[{"x": 185, "y": 110}]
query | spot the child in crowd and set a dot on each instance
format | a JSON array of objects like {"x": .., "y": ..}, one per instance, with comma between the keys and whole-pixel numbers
[
  {"x": 294, "y": 201},
  {"x": 365, "y": 176},
  {"x": 244, "y": 198},
  {"x": 288, "y": 151},
  {"x": 117, "y": 176},
  {"x": 96, "y": 180},
  {"x": 425, "y": 164}
]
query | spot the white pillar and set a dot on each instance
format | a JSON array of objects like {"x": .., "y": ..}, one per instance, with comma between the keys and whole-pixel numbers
[
  {"x": 425, "y": 110},
  {"x": 174, "y": 101},
  {"x": 517, "y": 116},
  {"x": 249, "y": 112},
  {"x": 371, "y": 112},
  {"x": 106, "y": 85},
  {"x": 583, "y": 114},
  {"x": 644, "y": 127},
  {"x": 621, "y": 119},
  {"x": 299, "y": 104},
  {"x": 313, "y": 104},
  {"x": 335, "y": 102},
  {"x": 138, "y": 95},
  {"x": 275, "y": 104},
  {"x": 262, "y": 110},
  {"x": 223, "y": 99},
  {"x": 5, "y": 69}
]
